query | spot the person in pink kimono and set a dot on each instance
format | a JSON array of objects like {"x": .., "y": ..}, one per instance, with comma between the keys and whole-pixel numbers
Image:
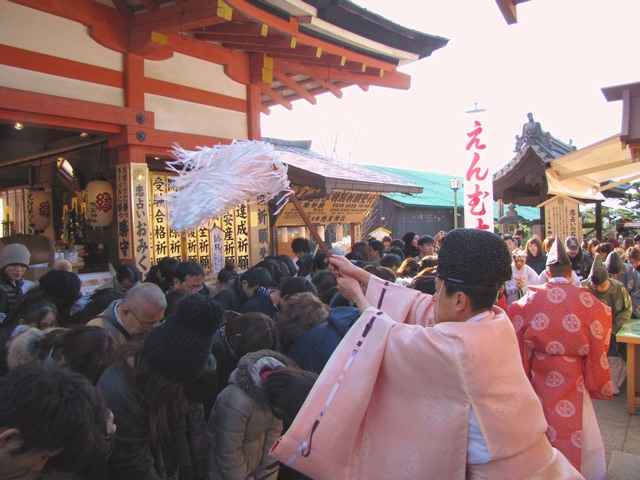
[
  {"x": 563, "y": 332},
  {"x": 439, "y": 391}
]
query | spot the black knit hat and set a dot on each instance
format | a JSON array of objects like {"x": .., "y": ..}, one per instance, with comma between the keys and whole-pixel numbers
[
  {"x": 474, "y": 257},
  {"x": 62, "y": 285},
  {"x": 180, "y": 346}
]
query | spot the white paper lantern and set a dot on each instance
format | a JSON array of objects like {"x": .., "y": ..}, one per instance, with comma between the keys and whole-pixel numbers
[
  {"x": 100, "y": 203},
  {"x": 39, "y": 209}
]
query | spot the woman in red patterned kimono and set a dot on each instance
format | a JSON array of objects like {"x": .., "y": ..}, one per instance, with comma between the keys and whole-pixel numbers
[{"x": 563, "y": 332}]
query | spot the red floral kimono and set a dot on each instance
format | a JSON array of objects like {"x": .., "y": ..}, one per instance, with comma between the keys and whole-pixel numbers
[{"x": 563, "y": 332}]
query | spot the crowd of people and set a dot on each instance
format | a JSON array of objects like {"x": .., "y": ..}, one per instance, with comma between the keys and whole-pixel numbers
[{"x": 173, "y": 378}]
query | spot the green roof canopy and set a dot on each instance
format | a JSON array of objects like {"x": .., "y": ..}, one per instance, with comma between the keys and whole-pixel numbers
[{"x": 437, "y": 192}]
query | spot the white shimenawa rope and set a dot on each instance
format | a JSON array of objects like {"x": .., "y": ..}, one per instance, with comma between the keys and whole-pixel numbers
[{"x": 213, "y": 180}]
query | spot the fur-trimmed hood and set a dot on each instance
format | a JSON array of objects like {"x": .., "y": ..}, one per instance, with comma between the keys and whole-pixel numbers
[
  {"x": 22, "y": 347},
  {"x": 247, "y": 373}
]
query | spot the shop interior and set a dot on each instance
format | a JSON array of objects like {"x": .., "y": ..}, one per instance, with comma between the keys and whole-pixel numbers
[{"x": 56, "y": 165}]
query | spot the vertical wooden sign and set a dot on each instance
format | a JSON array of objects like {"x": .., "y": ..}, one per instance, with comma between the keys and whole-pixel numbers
[
  {"x": 140, "y": 215},
  {"x": 123, "y": 212},
  {"x": 160, "y": 234}
]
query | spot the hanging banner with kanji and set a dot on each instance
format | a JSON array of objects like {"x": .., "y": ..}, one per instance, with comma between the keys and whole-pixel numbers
[
  {"x": 217, "y": 249},
  {"x": 175, "y": 237},
  {"x": 204, "y": 247},
  {"x": 241, "y": 236},
  {"x": 192, "y": 245},
  {"x": 123, "y": 212},
  {"x": 478, "y": 181},
  {"x": 140, "y": 216},
  {"x": 160, "y": 234},
  {"x": 259, "y": 231}
]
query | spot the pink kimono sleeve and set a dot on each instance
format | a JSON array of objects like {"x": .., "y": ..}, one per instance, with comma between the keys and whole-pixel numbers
[
  {"x": 402, "y": 304},
  {"x": 597, "y": 376}
]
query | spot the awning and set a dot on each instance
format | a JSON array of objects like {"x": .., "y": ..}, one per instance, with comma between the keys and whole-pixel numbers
[
  {"x": 587, "y": 172},
  {"x": 330, "y": 191},
  {"x": 314, "y": 170}
]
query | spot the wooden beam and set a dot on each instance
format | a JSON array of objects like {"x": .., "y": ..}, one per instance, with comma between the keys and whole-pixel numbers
[
  {"x": 278, "y": 41},
  {"x": 55, "y": 121},
  {"x": 292, "y": 98},
  {"x": 235, "y": 28},
  {"x": 299, "y": 53},
  {"x": 149, "y": 44},
  {"x": 329, "y": 86},
  {"x": 320, "y": 90},
  {"x": 179, "y": 17},
  {"x": 134, "y": 80},
  {"x": 83, "y": 143},
  {"x": 508, "y": 10},
  {"x": 86, "y": 12},
  {"x": 149, "y": 4},
  {"x": 195, "y": 95},
  {"x": 32, "y": 102},
  {"x": 61, "y": 67},
  {"x": 107, "y": 26},
  {"x": 314, "y": 90},
  {"x": 253, "y": 112},
  {"x": 392, "y": 79},
  {"x": 297, "y": 89},
  {"x": 123, "y": 7},
  {"x": 115, "y": 39},
  {"x": 236, "y": 63},
  {"x": 161, "y": 141},
  {"x": 276, "y": 98},
  {"x": 291, "y": 28}
]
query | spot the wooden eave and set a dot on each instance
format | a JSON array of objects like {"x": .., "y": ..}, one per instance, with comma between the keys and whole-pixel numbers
[
  {"x": 268, "y": 43},
  {"x": 508, "y": 8},
  {"x": 523, "y": 182}
]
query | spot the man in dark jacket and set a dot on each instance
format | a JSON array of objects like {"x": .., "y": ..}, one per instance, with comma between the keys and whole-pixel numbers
[
  {"x": 302, "y": 249},
  {"x": 312, "y": 351},
  {"x": 580, "y": 261},
  {"x": 162, "y": 274},
  {"x": 243, "y": 288}
]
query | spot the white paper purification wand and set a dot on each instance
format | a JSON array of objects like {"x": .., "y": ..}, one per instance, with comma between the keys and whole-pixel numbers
[{"x": 211, "y": 181}]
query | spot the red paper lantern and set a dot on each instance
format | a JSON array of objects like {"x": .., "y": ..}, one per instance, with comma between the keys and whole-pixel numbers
[
  {"x": 100, "y": 203},
  {"x": 39, "y": 209}
]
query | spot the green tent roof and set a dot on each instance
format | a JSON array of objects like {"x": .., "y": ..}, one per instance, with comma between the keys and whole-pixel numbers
[{"x": 436, "y": 191}]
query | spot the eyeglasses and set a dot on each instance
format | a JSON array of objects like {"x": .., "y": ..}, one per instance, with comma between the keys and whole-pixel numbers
[
  {"x": 192, "y": 288},
  {"x": 145, "y": 326}
]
